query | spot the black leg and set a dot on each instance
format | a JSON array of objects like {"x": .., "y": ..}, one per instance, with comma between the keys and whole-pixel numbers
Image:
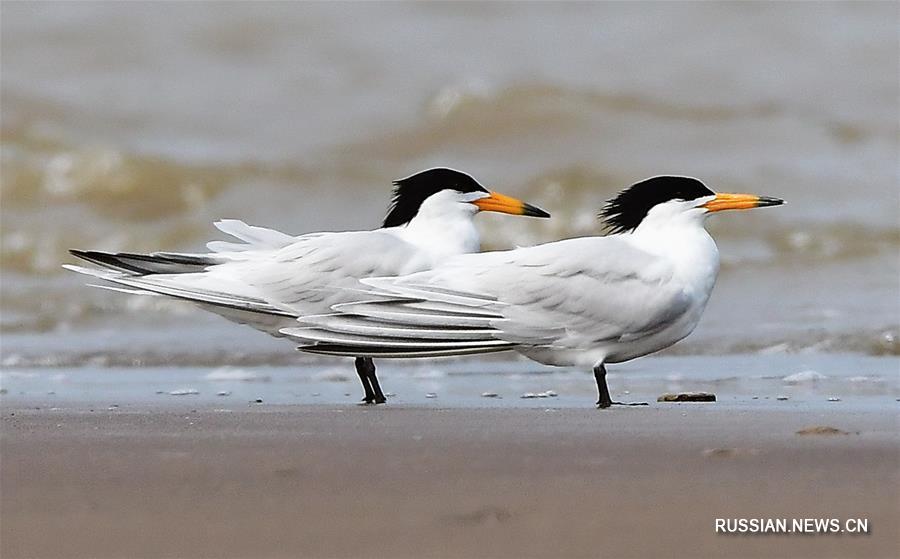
[
  {"x": 373, "y": 381},
  {"x": 603, "y": 390},
  {"x": 362, "y": 370},
  {"x": 600, "y": 376}
]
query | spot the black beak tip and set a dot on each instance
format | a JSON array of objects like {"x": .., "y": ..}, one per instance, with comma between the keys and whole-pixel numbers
[
  {"x": 534, "y": 211},
  {"x": 769, "y": 201}
]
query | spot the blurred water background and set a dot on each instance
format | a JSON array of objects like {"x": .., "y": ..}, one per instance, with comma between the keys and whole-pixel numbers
[{"x": 133, "y": 126}]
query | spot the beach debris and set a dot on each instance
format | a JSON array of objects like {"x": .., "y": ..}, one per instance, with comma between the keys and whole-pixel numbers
[
  {"x": 687, "y": 397},
  {"x": 160, "y": 391},
  {"x": 113, "y": 407},
  {"x": 528, "y": 395},
  {"x": 804, "y": 376},
  {"x": 548, "y": 394},
  {"x": 834, "y": 399},
  {"x": 489, "y": 395},
  {"x": 258, "y": 401},
  {"x": 183, "y": 392},
  {"x": 431, "y": 395},
  {"x": 389, "y": 395},
  {"x": 223, "y": 393},
  {"x": 316, "y": 394},
  {"x": 821, "y": 430},
  {"x": 236, "y": 374},
  {"x": 782, "y": 398}
]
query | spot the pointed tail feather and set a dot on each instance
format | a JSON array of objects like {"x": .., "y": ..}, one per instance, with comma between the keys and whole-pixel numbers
[{"x": 195, "y": 288}]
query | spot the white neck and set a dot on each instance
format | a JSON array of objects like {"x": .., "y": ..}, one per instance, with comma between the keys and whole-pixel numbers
[
  {"x": 679, "y": 236},
  {"x": 442, "y": 228}
]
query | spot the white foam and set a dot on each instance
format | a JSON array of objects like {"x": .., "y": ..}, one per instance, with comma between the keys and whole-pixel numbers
[
  {"x": 235, "y": 374},
  {"x": 804, "y": 376}
]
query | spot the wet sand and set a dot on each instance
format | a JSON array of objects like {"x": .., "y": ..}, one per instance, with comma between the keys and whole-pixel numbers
[{"x": 415, "y": 481}]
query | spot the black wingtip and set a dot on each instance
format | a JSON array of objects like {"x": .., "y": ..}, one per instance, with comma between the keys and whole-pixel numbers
[{"x": 104, "y": 259}]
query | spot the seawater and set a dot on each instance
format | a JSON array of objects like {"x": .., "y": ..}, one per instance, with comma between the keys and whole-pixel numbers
[{"x": 134, "y": 126}]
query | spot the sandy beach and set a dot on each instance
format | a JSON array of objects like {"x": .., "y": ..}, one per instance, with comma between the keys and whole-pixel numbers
[{"x": 411, "y": 481}]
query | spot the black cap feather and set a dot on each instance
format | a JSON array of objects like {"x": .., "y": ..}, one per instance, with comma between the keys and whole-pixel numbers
[
  {"x": 626, "y": 211},
  {"x": 411, "y": 192}
]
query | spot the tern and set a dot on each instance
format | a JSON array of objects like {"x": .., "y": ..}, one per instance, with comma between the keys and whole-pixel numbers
[
  {"x": 581, "y": 302},
  {"x": 271, "y": 278}
]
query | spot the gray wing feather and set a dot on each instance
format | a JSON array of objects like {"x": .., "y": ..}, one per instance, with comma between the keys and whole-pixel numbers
[{"x": 570, "y": 294}]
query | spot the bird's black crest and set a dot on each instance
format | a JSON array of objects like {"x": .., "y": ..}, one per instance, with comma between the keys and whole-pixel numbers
[
  {"x": 626, "y": 211},
  {"x": 409, "y": 193}
]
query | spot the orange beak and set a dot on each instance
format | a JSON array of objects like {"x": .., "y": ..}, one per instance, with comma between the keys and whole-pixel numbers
[
  {"x": 497, "y": 202},
  {"x": 740, "y": 202}
]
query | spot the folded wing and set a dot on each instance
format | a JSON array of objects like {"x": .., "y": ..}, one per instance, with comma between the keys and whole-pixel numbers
[
  {"x": 572, "y": 294},
  {"x": 269, "y": 274}
]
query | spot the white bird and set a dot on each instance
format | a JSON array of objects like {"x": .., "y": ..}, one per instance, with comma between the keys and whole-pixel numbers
[
  {"x": 579, "y": 302},
  {"x": 272, "y": 278}
]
